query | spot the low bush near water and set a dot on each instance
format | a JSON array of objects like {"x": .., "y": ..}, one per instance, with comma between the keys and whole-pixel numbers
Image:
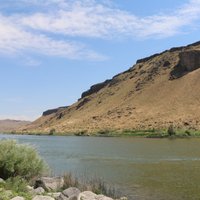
[
  {"x": 171, "y": 131},
  {"x": 19, "y": 160},
  {"x": 16, "y": 184},
  {"x": 12, "y": 187}
]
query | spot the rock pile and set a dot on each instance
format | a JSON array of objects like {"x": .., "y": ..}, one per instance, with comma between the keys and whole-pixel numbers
[{"x": 45, "y": 187}]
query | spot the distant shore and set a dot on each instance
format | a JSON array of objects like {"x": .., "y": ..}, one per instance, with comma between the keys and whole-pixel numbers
[{"x": 152, "y": 133}]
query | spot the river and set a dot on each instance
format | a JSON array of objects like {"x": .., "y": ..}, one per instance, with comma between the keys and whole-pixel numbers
[{"x": 144, "y": 169}]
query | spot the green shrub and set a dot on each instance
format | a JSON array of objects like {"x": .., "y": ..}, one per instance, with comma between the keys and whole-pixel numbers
[
  {"x": 19, "y": 160},
  {"x": 171, "y": 130},
  {"x": 52, "y": 131},
  {"x": 187, "y": 132},
  {"x": 16, "y": 184}
]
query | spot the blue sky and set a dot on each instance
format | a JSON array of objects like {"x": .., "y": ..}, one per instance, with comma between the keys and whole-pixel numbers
[{"x": 53, "y": 50}]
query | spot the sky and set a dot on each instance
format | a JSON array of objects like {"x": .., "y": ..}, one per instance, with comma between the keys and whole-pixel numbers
[{"x": 53, "y": 50}]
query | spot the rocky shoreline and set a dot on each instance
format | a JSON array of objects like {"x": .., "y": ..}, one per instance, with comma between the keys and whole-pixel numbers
[{"x": 52, "y": 188}]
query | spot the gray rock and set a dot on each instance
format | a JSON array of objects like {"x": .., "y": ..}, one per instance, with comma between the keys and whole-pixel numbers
[
  {"x": 2, "y": 181},
  {"x": 50, "y": 183},
  {"x": 40, "y": 197},
  {"x": 54, "y": 195},
  {"x": 69, "y": 194},
  {"x": 62, "y": 197},
  {"x": 123, "y": 198},
  {"x": 73, "y": 198},
  {"x": 87, "y": 195},
  {"x": 72, "y": 191},
  {"x": 102, "y": 197},
  {"x": 29, "y": 188},
  {"x": 39, "y": 190},
  {"x": 18, "y": 198}
]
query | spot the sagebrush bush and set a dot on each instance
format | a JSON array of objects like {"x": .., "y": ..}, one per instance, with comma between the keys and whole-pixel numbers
[
  {"x": 171, "y": 130},
  {"x": 17, "y": 187},
  {"x": 20, "y": 160},
  {"x": 16, "y": 184}
]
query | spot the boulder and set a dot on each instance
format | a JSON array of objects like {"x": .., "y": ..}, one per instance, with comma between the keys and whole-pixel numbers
[
  {"x": 38, "y": 190},
  {"x": 18, "y": 198},
  {"x": 69, "y": 194},
  {"x": 72, "y": 191},
  {"x": 40, "y": 197},
  {"x": 87, "y": 195},
  {"x": 102, "y": 197},
  {"x": 2, "y": 181},
  {"x": 29, "y": 188},
  {"x": 62, "y": 197},
  {"x": 123, "y": 198},
  {"x": 73, "y": 198},
  {"x": 50, "y": 183},
  {"x": 54, "y": 194}
]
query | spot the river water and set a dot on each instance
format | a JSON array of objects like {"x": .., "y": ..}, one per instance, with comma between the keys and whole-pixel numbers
[{"x": 143, "y": 169}]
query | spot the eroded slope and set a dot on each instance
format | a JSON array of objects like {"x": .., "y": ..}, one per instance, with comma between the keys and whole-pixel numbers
[{"x": 155, "y": 92}]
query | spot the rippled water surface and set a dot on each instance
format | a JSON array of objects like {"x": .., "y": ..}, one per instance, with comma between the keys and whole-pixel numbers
[{"x": 144, "y": 169}]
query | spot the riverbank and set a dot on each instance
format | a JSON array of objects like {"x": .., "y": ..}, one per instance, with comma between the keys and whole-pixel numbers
[
  {"x": 151, "y": 133},
  {"x": 55, "y": 188},
  {"x": 24, "y": 175}
]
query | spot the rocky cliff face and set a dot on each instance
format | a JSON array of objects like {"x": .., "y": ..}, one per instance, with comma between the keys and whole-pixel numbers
[
  {"x": 53, "y": 111},
  {"x": 155, "y": 92},
  {"x": 188, "y": 61}
]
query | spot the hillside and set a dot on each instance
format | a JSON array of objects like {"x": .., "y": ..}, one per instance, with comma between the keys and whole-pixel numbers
[
  {"x": 155, "y": 92},
  {"x": 8, "y": 125}
]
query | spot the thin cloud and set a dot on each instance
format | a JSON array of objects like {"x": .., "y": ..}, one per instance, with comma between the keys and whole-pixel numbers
[
  {"x": 14, "y": 39},
  {"x": 91, "y": 19},
  {"x": 173, "y": 24},
  {"x": 38, "y": 31}
]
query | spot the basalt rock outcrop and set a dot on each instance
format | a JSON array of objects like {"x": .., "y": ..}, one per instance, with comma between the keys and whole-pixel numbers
[
  {"x": 155, "y": 92},
  {"x": 188, "y": 62},
  {"x": 52, "y": 111}
]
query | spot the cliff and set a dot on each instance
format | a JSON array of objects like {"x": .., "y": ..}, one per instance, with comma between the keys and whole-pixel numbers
[{"x": 155, "y": 92}]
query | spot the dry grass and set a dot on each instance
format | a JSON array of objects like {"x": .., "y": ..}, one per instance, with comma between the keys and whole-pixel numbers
[
  {"x": 96, "y": 185},
  {"x": 142, "y": 98}
]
